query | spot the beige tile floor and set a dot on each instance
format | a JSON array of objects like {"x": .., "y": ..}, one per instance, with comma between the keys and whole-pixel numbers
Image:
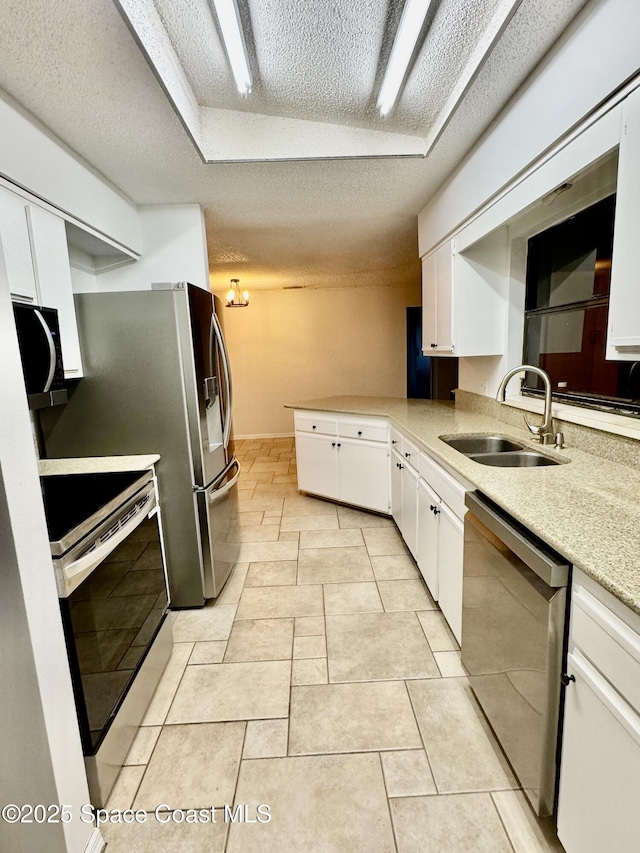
[{"x": 325, "y": 684}]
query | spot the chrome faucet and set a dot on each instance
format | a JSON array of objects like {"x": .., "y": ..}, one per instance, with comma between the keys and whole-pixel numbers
[{"x": 544, "y": 432}]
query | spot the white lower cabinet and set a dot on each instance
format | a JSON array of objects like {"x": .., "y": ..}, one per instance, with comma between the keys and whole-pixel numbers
[
  {"x": 317, "y": 463},
  {"x": 600, "y": 765},
  {"x": 363, "y": 474},
  {"x": 409, "y": 527},
  {"x": 334, "y": 464},
  {"x": 428, "y": 502},
  {"x": 404, "y": 499},
  {"x": 450, "y": 548},
  {"x": 397, "y": 464},
  {"x": 440, "y": 539}
]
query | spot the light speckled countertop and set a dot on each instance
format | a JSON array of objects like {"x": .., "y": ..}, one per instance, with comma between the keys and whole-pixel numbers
[
  {"x": 97, "y": 464},
  {"x": 588, "y": 510}
]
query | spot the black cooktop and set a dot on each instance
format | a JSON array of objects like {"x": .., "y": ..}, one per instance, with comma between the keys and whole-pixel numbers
[{"x": 71, "y": 499}]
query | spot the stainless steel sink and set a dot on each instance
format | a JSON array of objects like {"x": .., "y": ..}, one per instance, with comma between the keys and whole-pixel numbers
[
  {"x": 498, "y": 451},
  {"x": 471, "y": 444},
  {"x": 515, "y": 459}
]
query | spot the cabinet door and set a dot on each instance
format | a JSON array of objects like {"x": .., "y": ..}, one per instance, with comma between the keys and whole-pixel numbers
[
  {"x": 429, "y": 337},
  {"x": 409, "y": 527},
  {"x": 450, "y": 545},
  {"x": 427, "y": 556},
  {"x": 317, "y": 462},
  {"x": 50, "y": 255},
  {"x": 600, "y": 766},
  {"x": 623, "y": 339},
  {"x": 14, "y": 240},
  {"x": 397, "y": 467},
  {"x": 444, "y": 298},
  {"x": 364, "y": 474}
]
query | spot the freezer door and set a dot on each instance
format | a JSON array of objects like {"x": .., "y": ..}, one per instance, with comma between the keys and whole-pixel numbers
[
  {"x": 208, "y": 388},
  {"x": 217, "y": 508}
]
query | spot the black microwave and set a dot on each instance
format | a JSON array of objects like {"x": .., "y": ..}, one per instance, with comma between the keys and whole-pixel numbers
[{"x": 41, "y": 354}]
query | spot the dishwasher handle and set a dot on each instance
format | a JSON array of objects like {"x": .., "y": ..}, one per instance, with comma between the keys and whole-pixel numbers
[{"x": 548, "y": 566}]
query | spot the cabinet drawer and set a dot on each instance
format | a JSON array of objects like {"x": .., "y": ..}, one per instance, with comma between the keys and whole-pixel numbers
[
  {"x": 397, "y": 439},
  {"x": 448, "y": 489},
  {"x": 371, "y": 429},
  {"x": 317, "y": 423},
  {"x": 411, "y": 453},
  {"x": 611, "y": 645}
]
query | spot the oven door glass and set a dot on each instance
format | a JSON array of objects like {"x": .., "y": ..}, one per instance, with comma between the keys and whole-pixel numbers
[{"x": 111, "y": 620}]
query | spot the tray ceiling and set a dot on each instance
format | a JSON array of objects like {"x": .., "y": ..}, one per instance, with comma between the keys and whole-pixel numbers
[{"x": 77, "y": 68}]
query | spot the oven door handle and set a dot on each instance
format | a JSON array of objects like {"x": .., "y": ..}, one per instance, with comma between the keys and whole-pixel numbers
[{"x": 77, "y": 572}]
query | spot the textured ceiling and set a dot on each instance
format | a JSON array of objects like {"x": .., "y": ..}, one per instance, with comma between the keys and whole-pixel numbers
[
  {"x": 77, "y": 68},
  {"x": 324, "y": 61}
]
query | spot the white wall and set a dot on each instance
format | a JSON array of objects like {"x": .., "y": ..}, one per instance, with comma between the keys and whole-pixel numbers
[
  {"x": 291, "y": 345},
  {"x": 41, "y": 752},
  {"x": 174, "y": 248}
]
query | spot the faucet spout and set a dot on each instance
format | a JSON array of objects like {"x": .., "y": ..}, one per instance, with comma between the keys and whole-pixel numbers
[{"x": 543, "y": 432}]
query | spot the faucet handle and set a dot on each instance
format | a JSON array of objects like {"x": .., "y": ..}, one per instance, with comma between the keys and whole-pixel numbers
[{"x": 533, "y": 429}]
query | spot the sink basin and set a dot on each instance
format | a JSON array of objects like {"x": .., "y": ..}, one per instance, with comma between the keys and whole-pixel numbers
[
  {"x": 471, "y": 444},
  {"x": 498, "y": 451},
  {"x": 515, "y": 459}
]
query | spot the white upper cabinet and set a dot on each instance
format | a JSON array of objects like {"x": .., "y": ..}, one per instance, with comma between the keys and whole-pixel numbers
[
  {"x": 623, "y": 338},
  {"x": 464, "y": 299},
  {"x": 437, "y": 297},
  {"x": 50, "y": 257},
  {"x": 34, "y": 243},
  {"x": 14, "y": 236}
]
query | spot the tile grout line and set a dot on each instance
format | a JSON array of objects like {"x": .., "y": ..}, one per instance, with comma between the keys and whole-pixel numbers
[
  {"x": 386, "y": 791},
  {"x": 424, "y": 745},
  {"x": 502, "y": 823}
]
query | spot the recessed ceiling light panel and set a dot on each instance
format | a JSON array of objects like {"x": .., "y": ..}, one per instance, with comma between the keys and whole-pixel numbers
[
  {"x": 410, "y": 27},
  {"x": 233, "y": 37}
]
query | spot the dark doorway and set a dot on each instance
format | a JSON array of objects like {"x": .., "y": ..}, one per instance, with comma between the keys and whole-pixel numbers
[{"x": 428, "y": 377}]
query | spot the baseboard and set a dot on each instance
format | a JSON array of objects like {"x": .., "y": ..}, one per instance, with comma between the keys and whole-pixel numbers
[
  {"x": 96, "y": 843},
  {"x": 266, "y": 437}
]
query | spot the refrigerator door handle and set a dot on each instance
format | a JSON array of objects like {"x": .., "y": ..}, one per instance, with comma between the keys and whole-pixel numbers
[
  {"x": 214, "y": 485},
  {"x": 216, "y": 494},
  {"x": 217, "y": 331}
]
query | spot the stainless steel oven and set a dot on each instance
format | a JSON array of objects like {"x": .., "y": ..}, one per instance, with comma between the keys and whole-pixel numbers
[
  {"x": 513, "y": 641},
  {"x": 106, "y": 547}
]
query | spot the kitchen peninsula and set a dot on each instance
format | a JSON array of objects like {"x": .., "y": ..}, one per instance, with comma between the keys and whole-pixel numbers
[{"x": 587, "y": 510}]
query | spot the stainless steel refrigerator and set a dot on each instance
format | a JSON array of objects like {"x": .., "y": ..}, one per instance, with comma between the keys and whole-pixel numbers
[{"x": 158, "y": 380}]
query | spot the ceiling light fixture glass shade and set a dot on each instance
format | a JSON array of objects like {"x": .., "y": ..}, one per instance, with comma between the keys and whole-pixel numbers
[
  {"x": 233, "y": 37},
  {"x": 236, "y": 299},
  {"x": 410, "y": 27}
]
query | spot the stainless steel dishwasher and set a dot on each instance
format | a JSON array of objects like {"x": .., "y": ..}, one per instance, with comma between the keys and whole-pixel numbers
[{"x": 513, "y": 638}]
